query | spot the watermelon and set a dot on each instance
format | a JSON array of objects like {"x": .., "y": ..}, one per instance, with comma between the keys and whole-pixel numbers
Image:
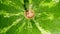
[{"x": 46, "y": 19}]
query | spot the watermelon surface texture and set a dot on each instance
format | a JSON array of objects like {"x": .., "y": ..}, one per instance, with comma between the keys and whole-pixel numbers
[{"x": 46, "y": 18}]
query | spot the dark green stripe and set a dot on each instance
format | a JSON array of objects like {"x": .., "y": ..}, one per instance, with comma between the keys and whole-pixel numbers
[{"x": 26, "y": 3}]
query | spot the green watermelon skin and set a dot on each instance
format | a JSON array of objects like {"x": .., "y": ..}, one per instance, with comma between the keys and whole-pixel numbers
[{"x": 45, "y": 21}]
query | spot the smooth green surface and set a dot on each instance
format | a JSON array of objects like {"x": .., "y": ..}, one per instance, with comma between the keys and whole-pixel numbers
[{"x": 45, "y": 21}]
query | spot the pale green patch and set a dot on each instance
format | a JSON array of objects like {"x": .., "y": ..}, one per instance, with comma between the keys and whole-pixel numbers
[
  {"x": 17, "y": 21},
  {"x": 45, "y": 13},
  {"x": 50, "y": 16},
  {"x": 10, "y": 3},
  {"x": 9, "y": 14},
  {"x": 58, "y": 17},
  {"x": 7, "y": 28},
  {"x": 56, "y": 1},
  {"x": 30, "y": 1},
  {"x": 50, "y": 4},
  {"x": 28, "y": 27},
  {"x": 5, "y": 14},
  {"x": 4, "y": 29},
  {"x": 39, "y": 14},
  {"x": 1, "y": 1},
  {"x": 30, "y": 6},
  {"x": 41, "y": 29},
  {"x": 29, "y": 24},
  {"x": 22, "y": 1},
  {"x": 20, "y": 28},
  {"x": 6, "y": 2}
]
